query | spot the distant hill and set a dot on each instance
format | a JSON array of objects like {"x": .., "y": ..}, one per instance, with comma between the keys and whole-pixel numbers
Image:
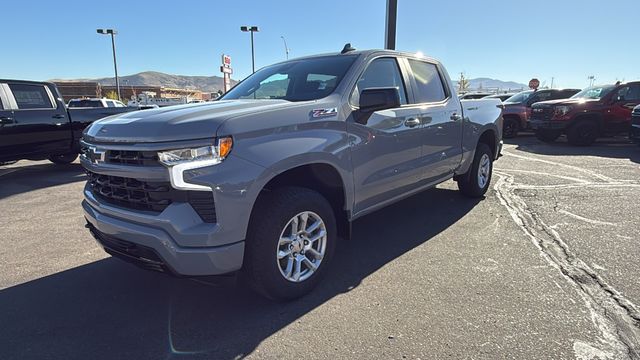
[
  {"x": 154, "y": 78},
  {"x": 488, "y": 83}
]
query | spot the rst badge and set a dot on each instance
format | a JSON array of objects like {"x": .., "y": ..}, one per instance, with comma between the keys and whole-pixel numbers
[{"x": 319, "y": 113}]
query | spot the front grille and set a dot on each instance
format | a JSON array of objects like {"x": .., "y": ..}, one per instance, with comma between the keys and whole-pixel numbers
[
  {"x": 635, "y": 120},
  {"x": 149, "y": 196},
  {"x": 542, "y": 113},
  {"x": 126, "y": 157}
]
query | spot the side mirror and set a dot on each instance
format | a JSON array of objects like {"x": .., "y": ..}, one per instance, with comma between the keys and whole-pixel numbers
[{"x": 376, "y": 99}]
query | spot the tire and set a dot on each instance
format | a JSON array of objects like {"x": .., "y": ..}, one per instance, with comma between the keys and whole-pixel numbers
[
  {"x": 470, "y": 183},
  {"x": 583, "y": 133},
  {"x": 548, "y": 136},
  {"x": 63, "y": 159},
  {"x": 510, "y": 128},
  {"x": 271, "y": 221}
]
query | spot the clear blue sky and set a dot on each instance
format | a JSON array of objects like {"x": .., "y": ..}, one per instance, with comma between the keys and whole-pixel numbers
[{"x": 508, "y": 40}]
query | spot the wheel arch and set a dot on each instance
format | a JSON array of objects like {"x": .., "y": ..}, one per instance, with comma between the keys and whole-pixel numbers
[{"x": 321, "y": 176}]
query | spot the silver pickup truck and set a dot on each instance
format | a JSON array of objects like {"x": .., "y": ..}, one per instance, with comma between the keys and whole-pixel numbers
[{"x": 265, "y": 180}]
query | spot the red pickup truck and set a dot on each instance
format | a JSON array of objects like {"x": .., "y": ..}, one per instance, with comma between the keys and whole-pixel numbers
[{"x": 589, "y": 114}]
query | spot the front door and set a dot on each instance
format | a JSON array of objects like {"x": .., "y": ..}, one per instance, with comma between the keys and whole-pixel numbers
[
  {"x": 6, "y": 124},
  {"x": 618, "y": 119},
  {"x": 385, "y": 151}
]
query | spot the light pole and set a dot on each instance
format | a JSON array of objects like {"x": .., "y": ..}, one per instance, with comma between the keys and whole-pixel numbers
[
  {"x": 390, "y": 25},
  {"x": 286, "y": 48},
  {"x": 112, "y": 32},
  {"x": 251, "y": 29}
]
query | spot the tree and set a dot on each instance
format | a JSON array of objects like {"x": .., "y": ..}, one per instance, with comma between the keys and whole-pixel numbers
[
  {"x": 113, "y": 95},
  {"x": 463, "y": 84}
]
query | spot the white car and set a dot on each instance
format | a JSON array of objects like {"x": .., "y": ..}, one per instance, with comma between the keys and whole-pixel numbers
[{"x": 94, "y": 103}]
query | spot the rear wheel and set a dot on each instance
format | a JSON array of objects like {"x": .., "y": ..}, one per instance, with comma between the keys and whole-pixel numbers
[
  {"x": 510, "y": 128},
  {"x": 63, "y": 159},
  {"x": 583, "y": 133},
  {"x": 548, "y": 136},
  {"x": 475, "y": 182},
  {"x": 291, "y": 240}
]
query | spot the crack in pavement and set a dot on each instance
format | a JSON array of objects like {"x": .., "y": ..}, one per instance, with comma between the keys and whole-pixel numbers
[{"x": 617, "y": 319}]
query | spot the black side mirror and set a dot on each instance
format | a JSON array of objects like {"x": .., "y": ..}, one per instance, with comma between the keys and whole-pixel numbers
[{"x": 376, "y": 99}]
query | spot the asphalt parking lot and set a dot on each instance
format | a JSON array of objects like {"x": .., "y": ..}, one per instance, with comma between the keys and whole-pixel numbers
[{"x": 546, "y": 266}]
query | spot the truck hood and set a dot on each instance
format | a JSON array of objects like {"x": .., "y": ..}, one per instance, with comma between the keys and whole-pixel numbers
[
  {"x": 176, "y": 123},
  {"x": 573, "y": 102}
]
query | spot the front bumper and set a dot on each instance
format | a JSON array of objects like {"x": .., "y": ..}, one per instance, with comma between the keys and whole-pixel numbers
[
  {"x": 139, "y": 240},
  {"x": 535, "y": 124}
]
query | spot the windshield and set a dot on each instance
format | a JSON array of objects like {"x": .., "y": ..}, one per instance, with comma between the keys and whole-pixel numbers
[
  {"x": 297, "y": 80},
  {"x": 596, "y": 92},
  {"x": 520, "y": 97}
]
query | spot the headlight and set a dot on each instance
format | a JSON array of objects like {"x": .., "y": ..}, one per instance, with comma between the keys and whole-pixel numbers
[
  {"x": 561, "y": 110},
  {"x": 213, "y": 153},
  {"x": 180, "y": 160}
]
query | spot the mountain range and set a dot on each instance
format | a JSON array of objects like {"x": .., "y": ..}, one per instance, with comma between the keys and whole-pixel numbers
[
  {"x": 155, "y": 78},
  {"x": 488, "y": 83},
  {"x": 214, "y": 83}
]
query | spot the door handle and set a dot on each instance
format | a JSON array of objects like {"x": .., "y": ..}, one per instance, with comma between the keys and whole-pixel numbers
[
  {"x": 6, "y": 120},
  {"x": 58, "y": 116},
  {"x": 455, "y": 117},
  {"x": 412, "y": 122}
]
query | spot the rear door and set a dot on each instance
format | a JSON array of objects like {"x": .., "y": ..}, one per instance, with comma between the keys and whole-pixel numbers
[
  {"x": 441, "y": 119},
  {"x": 385, "y": 151},
  {"x": 41, "y": 125}
]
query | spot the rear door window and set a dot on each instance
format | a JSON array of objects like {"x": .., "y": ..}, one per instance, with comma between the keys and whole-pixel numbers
[
  {"x": 429, "y": 87},
  {"x": 31, "y": 96}
]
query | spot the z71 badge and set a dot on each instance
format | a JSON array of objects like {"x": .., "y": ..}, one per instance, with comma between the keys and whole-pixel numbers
[{"x": 318, "y": 113}]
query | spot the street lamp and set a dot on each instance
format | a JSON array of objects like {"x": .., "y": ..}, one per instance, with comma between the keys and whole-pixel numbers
[
  {"x": 251, "y": 29},
  {"x": 112, "y": 32},
  {"x": 286, "y": 48}
]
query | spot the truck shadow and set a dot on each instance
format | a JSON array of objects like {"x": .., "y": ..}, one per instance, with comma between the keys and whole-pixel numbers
[
  {"x": 613, "y": 147},
  {"x": 27, "y": 176},
  {"x": 109, "y": 309}
]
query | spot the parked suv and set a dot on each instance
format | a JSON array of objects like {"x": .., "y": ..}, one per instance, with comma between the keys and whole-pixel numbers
[
  {"x": 266, "y": 178},
  {"x": 587, "y": 115},
  {"x": 517, "y": 110}
]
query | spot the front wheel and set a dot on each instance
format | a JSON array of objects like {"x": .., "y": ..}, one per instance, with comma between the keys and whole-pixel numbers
[
  {"x": 475, "y": 182},
  {"x": 63, "y": 159},
  {"x": 291, "y": 240},
  {"x": 510, "y": 128},
  {"x": 583, "y": 133}
]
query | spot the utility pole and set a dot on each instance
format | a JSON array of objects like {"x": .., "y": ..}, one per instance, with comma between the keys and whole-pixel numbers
[
  {"x": 112, "y": 32},
  {"x": 552, "y": 78},
  {"x": 390, "y": 25}
]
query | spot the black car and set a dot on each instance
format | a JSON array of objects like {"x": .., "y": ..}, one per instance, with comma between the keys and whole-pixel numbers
[{"x": 35, "y": 123}]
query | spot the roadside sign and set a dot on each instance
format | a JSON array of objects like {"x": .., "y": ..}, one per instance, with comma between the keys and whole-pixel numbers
[
  {"x": 534, "y": 84},
  {"x": 226, "y": 60},
  {"x": 226, "y": 71}
]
